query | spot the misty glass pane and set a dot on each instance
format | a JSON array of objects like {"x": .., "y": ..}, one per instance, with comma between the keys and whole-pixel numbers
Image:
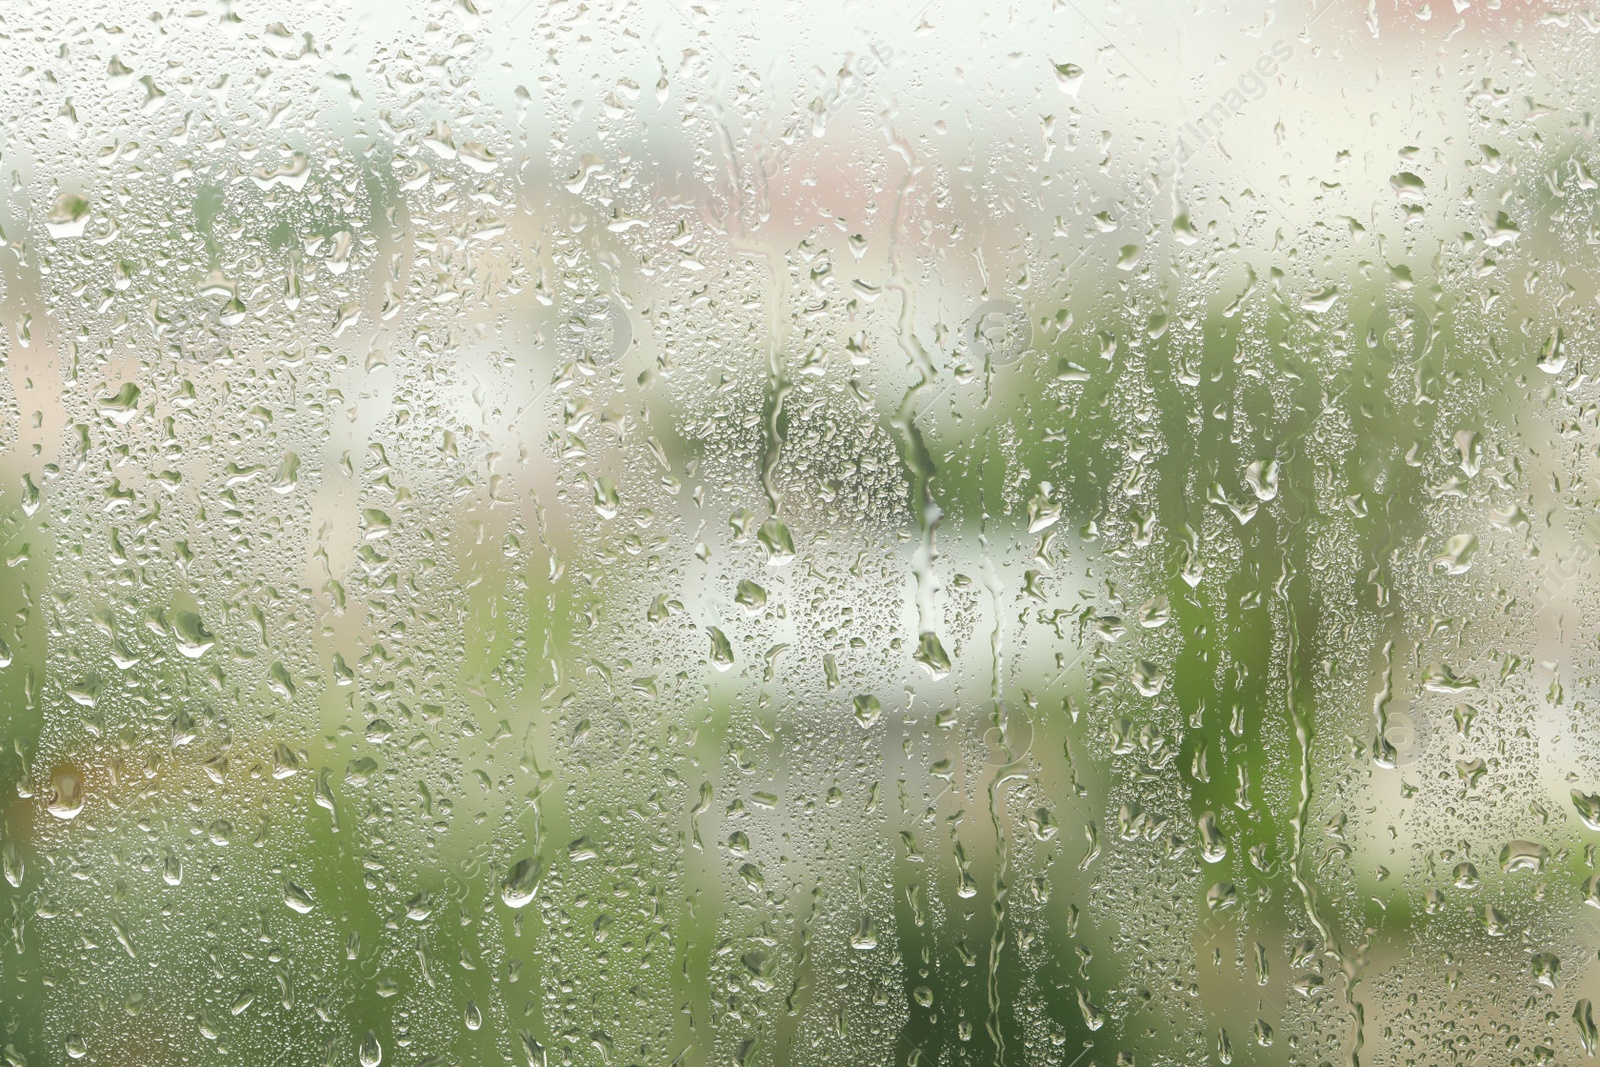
[{"x": 640, "y": 532}]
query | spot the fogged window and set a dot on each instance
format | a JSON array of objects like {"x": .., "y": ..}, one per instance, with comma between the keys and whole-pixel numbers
[{"x": 665, "y": 533}]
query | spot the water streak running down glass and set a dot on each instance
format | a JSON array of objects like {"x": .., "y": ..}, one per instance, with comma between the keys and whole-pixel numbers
[{"x": 652, "y": 533}]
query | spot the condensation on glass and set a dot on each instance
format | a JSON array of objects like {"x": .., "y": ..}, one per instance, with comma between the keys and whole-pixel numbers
[{"x": 654, "y": 533}]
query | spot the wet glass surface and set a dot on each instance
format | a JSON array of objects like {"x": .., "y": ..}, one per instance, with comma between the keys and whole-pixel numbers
[{"x": 653, "y": 533}]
